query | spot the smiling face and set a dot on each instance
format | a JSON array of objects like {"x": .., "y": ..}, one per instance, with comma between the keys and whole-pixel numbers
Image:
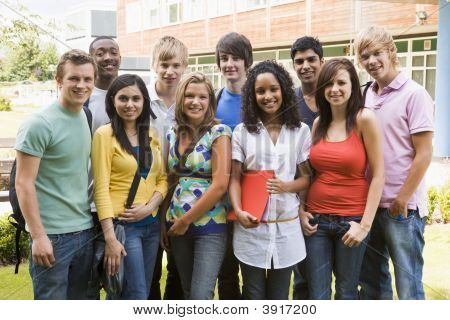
[
  {"x": 268, "y": 93},
  {"x": 232, "y": 67},
  {"x": 307, "y": 65},
  {"x": 339, "y": 90},
  {"x": 107, "y": 55},
  {"x": 76, "y": 84},
  {"x": 169, "y": 72},
  {"x": 378, "y": 63},
  {"x": 129, "y": 103},
  {"x": 196, "y": 102}
]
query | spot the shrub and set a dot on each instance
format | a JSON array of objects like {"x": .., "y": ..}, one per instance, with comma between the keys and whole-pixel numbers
[
  {"x": 8, "y": 242},
  {"x": 444, "y": 202},
  {"x": 5, "y": 104},
  {"x": 439, "y": 195},
  {"x": 432, "y": 201}
]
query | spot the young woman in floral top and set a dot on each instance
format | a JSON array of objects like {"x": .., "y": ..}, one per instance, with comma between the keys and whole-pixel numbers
[{"x": 199, "y": 158}]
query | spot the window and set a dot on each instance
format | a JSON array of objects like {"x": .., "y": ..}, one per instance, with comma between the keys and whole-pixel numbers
[
  {"x": 276, "y": 2},
  {"x": 172, "y": 10},
  {"x": 103, "y": 23},
  {"x": 151, "y": 14},
  {"x": 245, "y": 5},
  {"x": 193, "y": 10},
  {"x": 219, "y": 7},
  {"x": 424, "y": 71},
  {"x": 133, "y": 14}
]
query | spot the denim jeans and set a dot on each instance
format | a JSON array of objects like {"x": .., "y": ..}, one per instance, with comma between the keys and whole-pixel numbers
[
  {"x": 198, "y": 258},
  {"x": 403, "y": 241},
  {"x": 327, "y": 253},
  {"x": 260, "y": 283},
  {"x": 68, "y": 277},
  {"x": 228, "y": 282},
  {"x": 141, "y": 245},
  {"x": 300, "y": 285},
  {"x": 173, "y": 289}
]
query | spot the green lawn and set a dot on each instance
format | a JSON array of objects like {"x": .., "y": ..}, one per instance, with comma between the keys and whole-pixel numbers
[{"x": 436, "y": 272}]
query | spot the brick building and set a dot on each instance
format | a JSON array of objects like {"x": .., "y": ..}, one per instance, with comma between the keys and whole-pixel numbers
[{"x": 273, "y": 25}]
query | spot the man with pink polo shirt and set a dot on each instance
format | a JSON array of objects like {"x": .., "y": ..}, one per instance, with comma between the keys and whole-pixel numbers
[{"x": 405, "y": 113}]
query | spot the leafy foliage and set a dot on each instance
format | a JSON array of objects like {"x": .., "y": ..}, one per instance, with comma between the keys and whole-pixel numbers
[
  {"x": 8, "y": 242},
  {"x": 5, "y": 104},
  {"x": 27, "y": 56},
  {"x": 441, "y": 196}
]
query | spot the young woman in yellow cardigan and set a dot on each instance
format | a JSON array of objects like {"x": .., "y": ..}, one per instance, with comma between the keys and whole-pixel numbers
[{"x": 117, "y": 148}]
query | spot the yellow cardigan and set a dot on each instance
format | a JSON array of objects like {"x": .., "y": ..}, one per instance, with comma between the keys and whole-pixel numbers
[{"x": 114, "y": 170}]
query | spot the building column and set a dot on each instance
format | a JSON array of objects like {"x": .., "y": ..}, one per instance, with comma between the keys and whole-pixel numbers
[{"x": 442, "y": 112}]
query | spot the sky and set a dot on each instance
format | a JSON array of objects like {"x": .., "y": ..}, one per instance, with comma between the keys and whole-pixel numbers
[{"x": 47, "y": 8}]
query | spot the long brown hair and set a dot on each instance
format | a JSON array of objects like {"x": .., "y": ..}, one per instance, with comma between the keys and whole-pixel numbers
[
  {"x": 354, "y": 105},
  {"x": 182, "y": 123}
]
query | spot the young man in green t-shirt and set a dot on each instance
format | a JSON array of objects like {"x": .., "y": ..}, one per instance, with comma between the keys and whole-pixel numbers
[{"x": 53, "y": 148}]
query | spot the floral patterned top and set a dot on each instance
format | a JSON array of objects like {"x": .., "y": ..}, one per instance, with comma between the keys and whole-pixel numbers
[{"x": 196, "y": 180}]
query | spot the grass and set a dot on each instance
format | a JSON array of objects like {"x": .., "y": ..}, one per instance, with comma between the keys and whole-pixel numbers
[{"x": 436, "y": 277}]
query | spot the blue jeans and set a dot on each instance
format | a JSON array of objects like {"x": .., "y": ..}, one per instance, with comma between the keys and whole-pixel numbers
[
  {"x": 68, "y": 277},
  {"x": 327, "y": 253},
  {"x": 300, "y": 285},
  {"x": 228, "y": 282},
  {"x": 270, "y": 284},
  {"x": 403, "y": 241},
  {"x": 198, "y": 258},
  {"x": 141, "y": 245}
]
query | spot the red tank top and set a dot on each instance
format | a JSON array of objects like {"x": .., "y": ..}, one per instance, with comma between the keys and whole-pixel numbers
[{"x": 340, "y": 186}]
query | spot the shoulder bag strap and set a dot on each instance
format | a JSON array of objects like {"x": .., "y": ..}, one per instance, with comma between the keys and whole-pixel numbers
[{"x": 133, "y": 189}]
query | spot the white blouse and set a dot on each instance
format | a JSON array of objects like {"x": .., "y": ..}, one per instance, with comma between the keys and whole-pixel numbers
[{"x": 280, "y": 242}]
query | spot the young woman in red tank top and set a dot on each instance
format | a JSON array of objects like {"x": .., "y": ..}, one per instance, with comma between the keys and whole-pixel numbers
[{"x": 341, "y": 202}]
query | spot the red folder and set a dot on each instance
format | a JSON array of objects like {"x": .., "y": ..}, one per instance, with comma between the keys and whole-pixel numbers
[{"x": 254, "y": 195}]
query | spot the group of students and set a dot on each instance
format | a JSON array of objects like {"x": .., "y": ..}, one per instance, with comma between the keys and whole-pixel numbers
[{"x": 345, "y": 195}]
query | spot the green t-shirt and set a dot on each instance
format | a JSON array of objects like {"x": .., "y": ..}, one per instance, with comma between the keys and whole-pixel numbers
[{"x": 62, "y": 140}]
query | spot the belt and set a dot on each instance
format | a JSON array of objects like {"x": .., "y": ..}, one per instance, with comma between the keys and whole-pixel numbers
[{"x": 279, "y": 220}]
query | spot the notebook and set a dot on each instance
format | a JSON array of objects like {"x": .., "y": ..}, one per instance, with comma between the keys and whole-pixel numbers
[{"x": 254, "y": 195}]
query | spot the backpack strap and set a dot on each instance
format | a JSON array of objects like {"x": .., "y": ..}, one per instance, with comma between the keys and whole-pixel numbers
[
  {"x": 366, "y": 88},
  {"x": 18, "y": 253},
  {"x": 88, "y": 115},
  {"x": 219, "y": 94}
]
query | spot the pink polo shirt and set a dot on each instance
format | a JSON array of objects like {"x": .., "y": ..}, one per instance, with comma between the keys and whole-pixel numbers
[{"x": 403, "y": 108}]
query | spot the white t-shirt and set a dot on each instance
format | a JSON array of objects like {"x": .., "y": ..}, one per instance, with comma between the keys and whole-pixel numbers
[
  {"x": 97, "y": 107},
  {"x": 165, "y": 117},
  {"x": 283, "y": 241}
]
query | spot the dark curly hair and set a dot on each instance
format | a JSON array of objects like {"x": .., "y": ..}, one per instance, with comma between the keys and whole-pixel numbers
[{"x": 252, "y": 114}]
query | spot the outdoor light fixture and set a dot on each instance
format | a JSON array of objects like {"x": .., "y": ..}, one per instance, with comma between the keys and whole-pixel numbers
[{"x": 422, "y": 15}]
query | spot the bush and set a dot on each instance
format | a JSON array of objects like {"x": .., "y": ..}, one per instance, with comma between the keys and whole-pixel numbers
[
  {"x": 8, "y": 242},
  {"x": 444, "y": 202},
  {"x": 5, "y": 104},
  {"x": 432, "y": 201},
  {"x": 441, "y": 196}
]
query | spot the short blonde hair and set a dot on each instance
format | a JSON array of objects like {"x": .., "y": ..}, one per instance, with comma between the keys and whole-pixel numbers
[
  {"x": 375, "y": 38},
  {"x": 210, "y": 116},
  {"x": 167, "y": 48}
]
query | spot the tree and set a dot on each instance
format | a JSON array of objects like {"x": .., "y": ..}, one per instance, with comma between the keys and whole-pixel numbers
[{"x": 28, "y": 53}]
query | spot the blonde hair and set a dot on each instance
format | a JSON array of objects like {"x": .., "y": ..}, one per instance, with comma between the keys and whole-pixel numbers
[
  {"x": 210, "y": 116},
  {"x": 376, "y": 38},
  {"x": 167, "y": 48}
]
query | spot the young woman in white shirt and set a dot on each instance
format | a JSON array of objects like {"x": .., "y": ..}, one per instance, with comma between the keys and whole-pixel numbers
[{"x": 271, "y": 137}]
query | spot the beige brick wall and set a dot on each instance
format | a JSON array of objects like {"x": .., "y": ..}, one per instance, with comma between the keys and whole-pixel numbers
[{"x": 331, "y": 20}]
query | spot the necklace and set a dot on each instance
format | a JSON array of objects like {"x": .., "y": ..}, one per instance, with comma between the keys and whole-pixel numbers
[{"x": 131, "y": 134}]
